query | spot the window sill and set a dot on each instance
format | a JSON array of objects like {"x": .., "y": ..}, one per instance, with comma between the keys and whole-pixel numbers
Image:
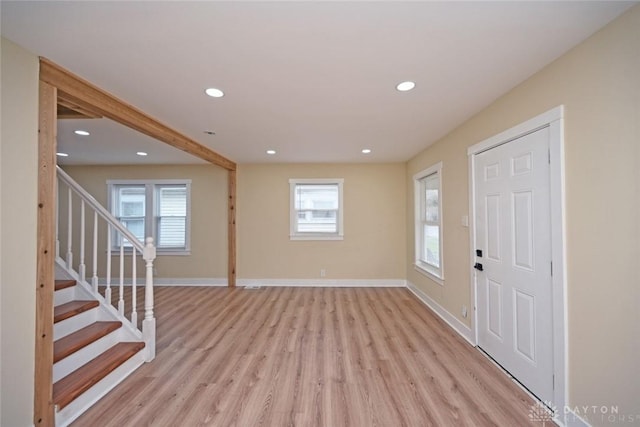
[
  {"x": 315, "y": 237},
  {"x": 425, "y": 272}
]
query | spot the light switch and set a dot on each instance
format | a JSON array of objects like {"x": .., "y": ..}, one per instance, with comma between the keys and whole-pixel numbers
[{"x": 465, "y": 220}]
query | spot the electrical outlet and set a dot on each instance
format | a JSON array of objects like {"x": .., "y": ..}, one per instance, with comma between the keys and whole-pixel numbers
[
  {"x": 323, "y": 272},
  {"x": 464, "y": 311}
]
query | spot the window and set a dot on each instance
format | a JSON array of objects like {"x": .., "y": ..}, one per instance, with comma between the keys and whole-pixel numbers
[
  {"x": 428, "y": 217},
  {"x": 158, "y": 208},
  {"x": 316, "y": 209}
]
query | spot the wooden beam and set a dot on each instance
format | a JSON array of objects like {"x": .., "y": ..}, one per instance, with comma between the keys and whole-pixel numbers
[
  {"x": 73, "y": 89},
  {"x": 75, "y": 111},
  {"x": 231, "y": 216},
  {"x": 43, "y": 414}
]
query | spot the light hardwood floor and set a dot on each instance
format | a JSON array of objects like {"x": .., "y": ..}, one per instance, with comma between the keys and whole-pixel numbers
[{"x": 308, "y": 357}]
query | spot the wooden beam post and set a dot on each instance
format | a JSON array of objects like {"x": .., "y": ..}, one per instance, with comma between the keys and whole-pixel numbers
[
  {"x": 232, "y": 229},
  {"x": 43, "y": 413}
]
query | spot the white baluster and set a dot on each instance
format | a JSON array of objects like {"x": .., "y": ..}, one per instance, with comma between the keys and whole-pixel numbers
[
  {"x": 69, "y": 231},
  {"x": 82, "y": 269},
  {"x": 57, "y": 216},
  {"x": 94, "y": 279},
  {"x": 149, "y": 322},
  {"x": 134, "y": 312},
  {"x": 107, "y": 292},
  {"x": 121, "y": 300}
]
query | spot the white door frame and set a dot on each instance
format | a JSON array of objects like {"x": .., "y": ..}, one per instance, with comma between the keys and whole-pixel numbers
[{"x": 554, "y": 120}]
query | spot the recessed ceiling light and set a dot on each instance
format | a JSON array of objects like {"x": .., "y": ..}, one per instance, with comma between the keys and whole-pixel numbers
[
  {"x": 366, "y": 151},
  {"x": 81, "y": 132},
  {"x": 271, "y": 152},
  {"x": 62, "y": 155},
  {"x": 215, "y": 93},
  {"x": 141, "y": 153},
  {"x": 405, "y": 86}
]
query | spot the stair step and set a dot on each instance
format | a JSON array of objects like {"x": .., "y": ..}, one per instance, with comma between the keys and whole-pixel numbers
[
  {"x": 63, "y": 284},
  {"x": 82, "y": 379},
  {"x": 82, "y": 338},
  {"x": 71, "y": 309}
]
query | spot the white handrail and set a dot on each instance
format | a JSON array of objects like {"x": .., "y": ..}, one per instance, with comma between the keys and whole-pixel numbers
[
  {"x": 123, "y": 237},
  {"x": 88, "y": 198}
]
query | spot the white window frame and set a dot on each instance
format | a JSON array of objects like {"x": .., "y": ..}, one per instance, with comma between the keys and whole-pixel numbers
[
  {"x": 150, "y": 211},
  {"x": 434, "y": 273},
  {"x": 293, "y": 216}
]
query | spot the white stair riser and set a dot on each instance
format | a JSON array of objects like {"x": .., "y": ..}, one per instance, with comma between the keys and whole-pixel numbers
[
  {"x": 83, "y": 293},
  {"x": 64, "y": 296},
  {"x": 83, "y": 356},
  {"x": 72, "y": 324},
  {"x": 85, "y": 400}
]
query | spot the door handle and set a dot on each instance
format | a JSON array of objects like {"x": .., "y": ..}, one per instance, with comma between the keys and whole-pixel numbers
[{"x": 478, "y": 266}]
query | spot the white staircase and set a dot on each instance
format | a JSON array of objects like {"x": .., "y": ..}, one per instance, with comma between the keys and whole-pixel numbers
[{"x": 96, "y": 344}]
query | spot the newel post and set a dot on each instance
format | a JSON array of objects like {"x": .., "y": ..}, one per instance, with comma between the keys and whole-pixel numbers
[{"x": 149, "y": 322}]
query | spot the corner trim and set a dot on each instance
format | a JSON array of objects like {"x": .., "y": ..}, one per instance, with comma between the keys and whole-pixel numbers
[{"x": 462, "y": 329}]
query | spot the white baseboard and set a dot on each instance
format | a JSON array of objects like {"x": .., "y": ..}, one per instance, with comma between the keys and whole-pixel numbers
[
  {"x": 198, "y": 281},
  {"x": 173, "y": 281},
  {"x": 326, "y": 283},
  {"x": 449, "y": 318}
]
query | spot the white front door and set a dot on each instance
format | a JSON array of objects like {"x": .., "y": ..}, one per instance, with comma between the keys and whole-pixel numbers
[{"x": 513, "y": 252}]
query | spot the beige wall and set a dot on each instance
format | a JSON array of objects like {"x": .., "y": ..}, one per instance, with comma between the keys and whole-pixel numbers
[
  {"x": 208, "y": 257},
  {"x": 374, "y": 224},
  {"x": 18, "y": 175},
  {"x": 599, "y": 84}
]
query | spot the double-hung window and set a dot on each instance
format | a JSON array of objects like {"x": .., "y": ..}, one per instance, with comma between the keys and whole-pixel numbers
[
  {"x": 428, "y": 221},
  {"x": 316, "y": 209},
  {"x": 158, "y": 208}
]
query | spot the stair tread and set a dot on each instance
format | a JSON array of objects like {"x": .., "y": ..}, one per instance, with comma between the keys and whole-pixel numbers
[
  {"x": 82, "y": 379},
  {"x": 72, "y": 308},
  {"x": 63, "y": 284},
  {"x": 81, "y": 338}
]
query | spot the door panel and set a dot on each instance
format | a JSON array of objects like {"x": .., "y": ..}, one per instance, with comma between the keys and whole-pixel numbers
[
  {"x": 495, "y": 308},
  {"x": 513, "y": 231},
  {"x": 524, "y": 321},
  {"x": 523, "y": 229},
  {"x": 493, "y": 226}
]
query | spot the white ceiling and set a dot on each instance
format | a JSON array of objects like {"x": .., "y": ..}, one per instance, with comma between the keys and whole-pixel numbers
[
  {"x": 313, "y": 80},
  {"x": 111, "y": 143}
]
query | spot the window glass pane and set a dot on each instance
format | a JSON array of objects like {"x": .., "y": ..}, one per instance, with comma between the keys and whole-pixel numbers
[
  {"x": 172, "y": 201},
  {"x": 317, "y": 206},
  {"x": 134, "y": 225},
  {"x": 131, "y": 201},
  {"x": 431, "y": 248},
  {"x": 130, "y": 210},
  {"x": 317, "y": 221},
  {"x": 432, "y": 198},
  {"x": 316, "y": 196},
  {"x": 171, "y": 231},
  {"x": 171, "y": 216}
]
